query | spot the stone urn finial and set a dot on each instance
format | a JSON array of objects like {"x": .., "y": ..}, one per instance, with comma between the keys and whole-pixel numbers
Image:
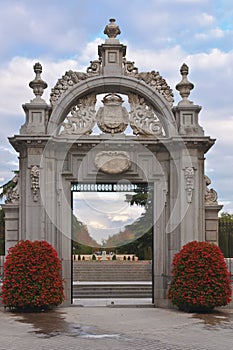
[
  {"x": 111, "y": 29},
  {"x": 38, "y": 85},
  {"x": 184, "y": 86}
]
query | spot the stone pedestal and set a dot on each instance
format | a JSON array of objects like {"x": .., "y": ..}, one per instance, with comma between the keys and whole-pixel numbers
[
  {"x": 11, "y": 225},
  {"x": 211, "y": 223}
]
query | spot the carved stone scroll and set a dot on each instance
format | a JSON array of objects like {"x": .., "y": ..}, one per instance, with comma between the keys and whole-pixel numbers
[
  {"x": 35, "y": 178},
  {"x": 129, "y": 68},
  {"x": 211, "y": 196},
  {"x": 112, "y": 162},
  {"x": 189, "y": 177},
  {"x": 82, "y": 117},
  {"x": 94, "y": 68},
  {"x": 143, "y": 119}
]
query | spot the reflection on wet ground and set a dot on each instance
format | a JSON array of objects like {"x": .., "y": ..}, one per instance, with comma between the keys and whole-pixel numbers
[
  {"x": 216, "y": 320},
  {"x": 53, "y": 323},
  {"x": 49, "y": 324}
]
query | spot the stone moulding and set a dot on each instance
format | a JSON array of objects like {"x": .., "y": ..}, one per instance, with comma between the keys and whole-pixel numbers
[{"x": 112, "y": 162}]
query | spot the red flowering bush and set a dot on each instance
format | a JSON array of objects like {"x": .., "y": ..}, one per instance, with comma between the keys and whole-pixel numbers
[
  {"x": 200, "y": 280},
  {"x": 32, "y": 276}
]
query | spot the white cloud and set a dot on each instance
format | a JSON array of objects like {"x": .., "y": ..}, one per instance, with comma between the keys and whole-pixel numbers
[
  {"x": 97, "y": 225},
  {"x": 205, "y": 19},
  {"x": 217, "y": 33},
  {"x": 90, "y": 52}
]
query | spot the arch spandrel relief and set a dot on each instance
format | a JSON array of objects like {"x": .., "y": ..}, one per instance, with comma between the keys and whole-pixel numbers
[
  {"x": 112, "y": 117},
  {"x": 81, "y": 118}
]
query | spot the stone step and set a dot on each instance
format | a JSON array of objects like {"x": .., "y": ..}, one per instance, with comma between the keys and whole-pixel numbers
[
  {"x": 112, "y": 271},
  {"x": 124, "y": 290}
]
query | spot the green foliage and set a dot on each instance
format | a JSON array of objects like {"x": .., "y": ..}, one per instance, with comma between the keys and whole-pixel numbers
[
  {"x": 200, "y": 280},
  {"x": 226, "y": 234},
  {"x": 141, "y": 247},
  {"x": 136, "y": 237},
  {"x": 32, "y": 277},
  {"x": 81, "y": 235},
  {"x": 2, "y": 232}
]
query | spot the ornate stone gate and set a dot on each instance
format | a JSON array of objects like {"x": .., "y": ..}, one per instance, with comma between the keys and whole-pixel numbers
[{"x": 135, "y": 134}]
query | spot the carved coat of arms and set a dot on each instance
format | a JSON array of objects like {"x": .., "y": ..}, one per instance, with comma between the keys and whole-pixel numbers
[{"x": 112, "y": 118}]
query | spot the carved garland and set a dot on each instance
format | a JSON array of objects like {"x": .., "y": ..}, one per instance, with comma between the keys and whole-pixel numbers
[
  {"x": 70, "y": 78},
  {"x": 153, "y": 78},
  {"x": 35, "y": 177},
  {"x": 189, "y": 177}
]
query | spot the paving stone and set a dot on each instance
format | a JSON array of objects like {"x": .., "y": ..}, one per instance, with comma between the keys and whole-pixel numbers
[{"x": 100, "y": 328}]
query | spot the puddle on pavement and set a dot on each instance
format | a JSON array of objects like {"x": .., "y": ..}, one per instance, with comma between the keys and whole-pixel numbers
[
  {"x": 216, "y": 320},
  {"x": 49, "y": 324}
]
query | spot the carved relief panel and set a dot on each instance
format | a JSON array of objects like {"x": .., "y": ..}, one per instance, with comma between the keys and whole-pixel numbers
[{"x": 112, "y": 117}]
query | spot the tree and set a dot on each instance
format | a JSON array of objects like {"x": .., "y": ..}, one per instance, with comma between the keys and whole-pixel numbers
[
  {"x": 83, "y": 243},
  {"x": 226, "y": 234},
  {"x": 136, "y": 238}
]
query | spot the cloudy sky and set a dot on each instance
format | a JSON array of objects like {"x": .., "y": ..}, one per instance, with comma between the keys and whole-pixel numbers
[
  {"x": 105, "y": 213},
  {"x": 160, "y": 35}
]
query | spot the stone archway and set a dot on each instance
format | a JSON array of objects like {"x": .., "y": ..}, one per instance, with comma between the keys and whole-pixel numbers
[{"x": 166, "y": 148}]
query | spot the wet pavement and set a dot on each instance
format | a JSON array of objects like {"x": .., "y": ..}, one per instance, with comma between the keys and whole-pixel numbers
[{"x": 115, "y": 327}]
